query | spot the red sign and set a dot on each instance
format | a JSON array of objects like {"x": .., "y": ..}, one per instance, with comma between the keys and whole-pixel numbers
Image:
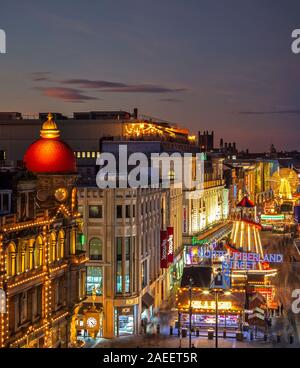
[
  {"x": 163, "y": 249},
  {"x": 170, "y": 235}
]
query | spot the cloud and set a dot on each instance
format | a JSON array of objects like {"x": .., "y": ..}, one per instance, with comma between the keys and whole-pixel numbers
[
  {"x": 274, "y": 112},
  {"x": 170, "y": 100},
  {"x": 40, "y": 76},
  {"x": 66, "y": 94},
  {"x": 119, "y": 87}
]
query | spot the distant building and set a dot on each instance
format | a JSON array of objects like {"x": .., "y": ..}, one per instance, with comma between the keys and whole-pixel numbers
[{"x": 206, "y": 141}]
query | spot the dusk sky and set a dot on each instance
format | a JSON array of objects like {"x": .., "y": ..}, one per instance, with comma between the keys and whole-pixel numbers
[{"x": 222, "y": 65}]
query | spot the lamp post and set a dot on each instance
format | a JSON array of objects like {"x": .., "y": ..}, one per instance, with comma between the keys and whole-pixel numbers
[
  {"x": 217, "y": 316},
  {"x": 190, "y": 312},
  {"x": 218, "y": 288}
]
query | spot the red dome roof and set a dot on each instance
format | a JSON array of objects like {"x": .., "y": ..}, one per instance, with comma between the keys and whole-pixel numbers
[{"x": 49, "y": 154}]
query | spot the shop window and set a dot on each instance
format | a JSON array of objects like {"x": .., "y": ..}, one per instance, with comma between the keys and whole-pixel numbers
[
  {"x": 124, "y": 321},
  {"x": 94, "y": 280},
  {"x": 95, "y": 211},
  {"x": 96, "y": 249}
]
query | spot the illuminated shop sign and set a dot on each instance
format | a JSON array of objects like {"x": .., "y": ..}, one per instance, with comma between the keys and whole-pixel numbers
[
  {"x": 241, "y": 256},
  {"x": 199, "y": 304},
  {"x": 170, "y": 245},
  {"x": 163, "y": 249},
  {"x": 272, "y": 217},
  {"x": 166, "y": 247},
  {"x": 196, "y": 241},
  {"x": 235, "y": 260}
]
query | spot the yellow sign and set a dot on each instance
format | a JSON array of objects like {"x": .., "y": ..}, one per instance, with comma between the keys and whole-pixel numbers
[{"x": 210, "y": 305}]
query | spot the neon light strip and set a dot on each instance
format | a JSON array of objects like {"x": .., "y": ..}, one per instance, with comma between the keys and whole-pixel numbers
[{"x": 272, "y": 217}]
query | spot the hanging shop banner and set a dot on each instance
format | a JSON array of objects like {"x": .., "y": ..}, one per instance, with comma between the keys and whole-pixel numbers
[
  {"x": 170, "y": 234},
  {"x": 163, "y": 249}
]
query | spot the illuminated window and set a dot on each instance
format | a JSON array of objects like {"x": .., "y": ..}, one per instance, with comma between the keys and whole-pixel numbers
[
  {"x": 94, "y": 280},
  {"x": 11, "y": 259},
  {"x": 93, "y": 154},
  {"x": 78, "y": 154},
  {"x": 83, "y": 154},
  {"x": 119, "y": 277},
  {"x": 88, "y": 154},
  {"x": 95, "y": 211},
  {"x": 96, "y": 249},
  {"x": 127, "y": 263}
]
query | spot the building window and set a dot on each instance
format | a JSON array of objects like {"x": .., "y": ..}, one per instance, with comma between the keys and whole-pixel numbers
[
  {"x": 144, "y": 274},
  {"x": 94, "y": 280},
  {"x": 96, "y": 249},
  {"x": 119, "y": 211},
  {"x": 133, "y": 210},
  {"x": 127, "y": 264},
  {"x": 119, "y": 287},
  {"x": 38, "y": 252},
  {"x": 80, "y": 210},
  {"x": 127, "y": 210},
  {"x": 95, "y": 211},
  {"x": 11, "y": 260}
]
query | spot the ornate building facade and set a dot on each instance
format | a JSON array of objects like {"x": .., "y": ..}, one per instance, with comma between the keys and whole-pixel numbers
[{"x": 42, "y": 276}]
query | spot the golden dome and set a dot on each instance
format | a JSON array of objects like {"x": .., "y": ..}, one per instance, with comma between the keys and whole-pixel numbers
[{"x": 49, "y": 128}]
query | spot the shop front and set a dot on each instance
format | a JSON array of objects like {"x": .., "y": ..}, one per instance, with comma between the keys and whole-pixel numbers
[
  {"x": 125, "y": 320},
  {"x": 196, "y": 291},
  {"x": 175, "y": 272}
]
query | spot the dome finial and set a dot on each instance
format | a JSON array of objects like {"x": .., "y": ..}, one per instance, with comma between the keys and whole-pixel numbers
[
  {"x": 49, "y": 128},
  {"x": 50, "y": 116}
]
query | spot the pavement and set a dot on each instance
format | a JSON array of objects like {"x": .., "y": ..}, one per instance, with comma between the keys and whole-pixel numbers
[{"x": 167, "y": 341}]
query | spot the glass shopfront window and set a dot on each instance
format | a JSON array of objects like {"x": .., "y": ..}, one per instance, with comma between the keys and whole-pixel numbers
[
  {"x": 124, "y": 321},
  {"x": 94, "y": 280}
]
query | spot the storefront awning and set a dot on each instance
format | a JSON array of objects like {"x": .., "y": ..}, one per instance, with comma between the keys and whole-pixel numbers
[{"x": 147, "y": 300}]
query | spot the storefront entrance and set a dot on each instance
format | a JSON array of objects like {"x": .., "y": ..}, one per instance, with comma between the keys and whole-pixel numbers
[{"x": 124, "y": 321}]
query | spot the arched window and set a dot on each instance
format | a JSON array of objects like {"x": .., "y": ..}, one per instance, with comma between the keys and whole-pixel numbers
[
  {"x": 11, "y": 259},
  {"x": 52, "y": 248},
  {"x": 22, "y": 256},
  {"x": 61, "y": 244},
  {"x": 38, "y": 251},
  {"x": 30, "y": 254},
  {"x": 96, "y": 249}
]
